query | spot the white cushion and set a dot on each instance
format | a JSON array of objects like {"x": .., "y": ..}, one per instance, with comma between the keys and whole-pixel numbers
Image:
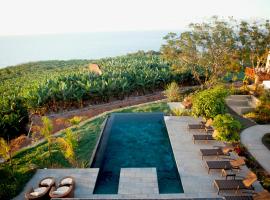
[
  {"x": 61, "y": 190},
  {"x": 38, "y": 191},
  {"x": 66, "y": 181},
  {"x": 47, "y": 181},
  {"x": 266, "y": 84}
]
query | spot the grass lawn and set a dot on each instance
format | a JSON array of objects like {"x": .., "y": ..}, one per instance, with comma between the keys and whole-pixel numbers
[
  {"x": 266, "y": 140},
  {"x": 26, "y": 161}
]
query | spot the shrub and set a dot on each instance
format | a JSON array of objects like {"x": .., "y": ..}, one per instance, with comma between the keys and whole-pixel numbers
[
  {"x": 75, "y": 120},
  {"x": 172, "y": 92},
  {"x": 209, "y": 103},
  {"x": 226, "y": 128},
  {"x": 181, "y": 112}
]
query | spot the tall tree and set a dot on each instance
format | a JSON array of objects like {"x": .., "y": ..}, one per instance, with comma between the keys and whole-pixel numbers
[{"x": 208, "y": 49}]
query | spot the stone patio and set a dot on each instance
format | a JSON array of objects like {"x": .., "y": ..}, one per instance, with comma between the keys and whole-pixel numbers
[{"x": 192, "y": 169}]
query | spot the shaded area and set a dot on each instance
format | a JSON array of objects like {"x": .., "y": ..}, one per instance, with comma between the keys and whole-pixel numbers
[
  {"x": 266, "y": 140},
  {"x": 137, "y": 141}
]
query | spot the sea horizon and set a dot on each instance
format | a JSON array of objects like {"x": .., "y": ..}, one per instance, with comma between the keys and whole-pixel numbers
[{"x": 20, "y": 49}]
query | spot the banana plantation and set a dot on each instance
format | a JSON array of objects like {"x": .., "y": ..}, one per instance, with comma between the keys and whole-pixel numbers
[{"x": 51, "y": 85}]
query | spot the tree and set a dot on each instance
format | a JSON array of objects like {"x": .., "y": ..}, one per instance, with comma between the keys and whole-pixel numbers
[
  {"x": 46, "y": 132},
  {"x": 207, "y": 49},
  {"x": 253, "y": 42},
  {"x": 68, "y": 145}
]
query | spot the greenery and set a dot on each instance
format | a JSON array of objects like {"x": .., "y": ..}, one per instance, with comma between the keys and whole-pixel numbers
[
  {"x": 226, "y": 128},
  {"x": 181, "y": 112},
  {"x": 209, "y": 103},
  {"x": 55, "y": 85},
  {"x": 262, "y": 112},
  {"x": 26, "y": 161},
  {"x": 172, "y": 92},
  {"x": 13, "y": 116},
  {"x": 210, "y": 49}
]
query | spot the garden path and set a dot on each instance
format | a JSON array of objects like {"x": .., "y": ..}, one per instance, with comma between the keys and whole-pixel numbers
[{"x": 252, "y": 139}]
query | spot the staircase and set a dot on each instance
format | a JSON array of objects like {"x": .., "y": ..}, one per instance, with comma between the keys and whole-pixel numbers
[{"x": 242, "y": 103}]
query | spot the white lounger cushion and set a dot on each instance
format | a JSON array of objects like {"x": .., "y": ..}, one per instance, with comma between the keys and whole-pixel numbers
[
  {"x": 47, "y": 181},
  {"x": 66, "y": 181},
  {"x": 61, "y": 190},
  {"x": 38, "y": 191},
  {"x": 266, "y": 84}
]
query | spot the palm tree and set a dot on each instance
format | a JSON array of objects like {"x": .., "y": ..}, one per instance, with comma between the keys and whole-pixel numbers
[
  {"x": 46, "y": 132},
  {"x": 68, "y": 145}
]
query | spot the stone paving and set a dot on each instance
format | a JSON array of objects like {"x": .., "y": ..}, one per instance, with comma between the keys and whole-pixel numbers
[
  {"x": 252, "y": 139},
  {"x": 192, "y": 169},
  {"x": 138, "y": 181},
  {"x": 85, "y": 180}
]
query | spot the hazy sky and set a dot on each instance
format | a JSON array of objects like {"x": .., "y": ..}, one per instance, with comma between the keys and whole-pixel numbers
[{"x": 60, "y": 16}]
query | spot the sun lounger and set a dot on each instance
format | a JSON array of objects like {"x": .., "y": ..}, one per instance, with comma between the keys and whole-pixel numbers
[
  {"x": 65, "y": 188},
  {"x": 221, "y": 151},
  {"x": 42, "y": 191},
  {"x": 202, "y": 125},
  {"x": 225, "y": 164},
  {"x": 202, "y": 138},
  {"x": 236, "y": 185}
]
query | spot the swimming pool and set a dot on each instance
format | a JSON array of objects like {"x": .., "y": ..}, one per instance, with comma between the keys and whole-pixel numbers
[{"x": 135, "y": 140}]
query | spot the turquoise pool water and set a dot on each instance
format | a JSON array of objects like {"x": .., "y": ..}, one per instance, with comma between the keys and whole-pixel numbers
[{"x": 135, "y": 140}]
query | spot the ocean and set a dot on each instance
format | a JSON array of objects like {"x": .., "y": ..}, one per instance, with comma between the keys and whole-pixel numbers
[{"x": 21, "y": 49}]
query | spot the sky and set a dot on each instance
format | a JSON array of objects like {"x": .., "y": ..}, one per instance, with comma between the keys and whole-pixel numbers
[{"x": 23, "y": 17}]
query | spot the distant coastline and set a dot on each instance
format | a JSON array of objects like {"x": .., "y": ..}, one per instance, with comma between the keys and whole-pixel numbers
[{"x": 30, "y": 48}]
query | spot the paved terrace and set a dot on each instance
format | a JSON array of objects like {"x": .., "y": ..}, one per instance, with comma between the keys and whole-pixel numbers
[
  {"x": 252, "y": 139},
  {"x": 194, "y": 176}
]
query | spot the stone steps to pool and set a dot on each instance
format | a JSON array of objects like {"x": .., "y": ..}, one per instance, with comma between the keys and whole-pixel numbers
[{"x": 138, "y": 181}]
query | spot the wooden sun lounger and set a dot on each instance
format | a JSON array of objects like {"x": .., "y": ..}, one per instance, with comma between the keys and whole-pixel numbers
[
  {"x": 224, "y": 164},
  {"x": 230, "y": 185},
  {"x": 262, "y": 195},
  {"x": 196, "y": 126},
  {"x": 202, "y": 138},
  {"x": 236, "y": 185},
  {"x": 211, "y": 152},
  {"x": 221, "y": 151}
]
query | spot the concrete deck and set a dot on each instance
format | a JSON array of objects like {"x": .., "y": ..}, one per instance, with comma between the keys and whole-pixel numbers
[
  {"x": 252, "y": 139},
  {"x": 138, "y": 181},
  {"x": 192, "y": 169},
  {"x": 85, "y": 180}
]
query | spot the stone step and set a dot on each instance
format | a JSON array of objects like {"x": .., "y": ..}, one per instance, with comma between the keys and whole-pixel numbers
[
  {"x": 242, "y": 110},
  {"x": 234, "y": 102},
  {"x": 240, "y": 97},
  {"x": 138, "y": 181}
]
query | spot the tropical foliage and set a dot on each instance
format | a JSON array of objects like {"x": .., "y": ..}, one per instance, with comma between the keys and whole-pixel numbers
[
  {"x": 226, "y": 128},
  {"x": 209, "y": 103},
  {"x": 53, "y": 85}
]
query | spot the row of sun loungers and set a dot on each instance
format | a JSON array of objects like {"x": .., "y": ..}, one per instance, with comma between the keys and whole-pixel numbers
[
  {"x": 225, "y": 166},
  {"x": 47, "y": 189}
]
